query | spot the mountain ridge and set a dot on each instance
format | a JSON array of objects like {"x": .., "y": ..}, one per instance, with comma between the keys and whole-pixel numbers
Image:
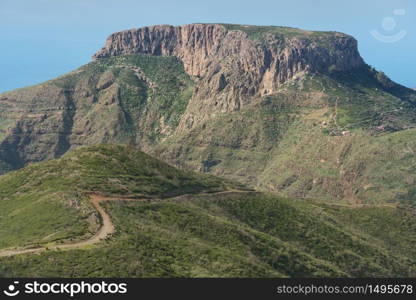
[{"x": 230, "y": 100}]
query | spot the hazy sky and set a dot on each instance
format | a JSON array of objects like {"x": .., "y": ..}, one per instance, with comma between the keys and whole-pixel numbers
[{"x": 41, "y": 39}]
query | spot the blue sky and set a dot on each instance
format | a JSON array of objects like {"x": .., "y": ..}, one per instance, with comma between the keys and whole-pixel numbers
[{"x": 41, "y": 39}]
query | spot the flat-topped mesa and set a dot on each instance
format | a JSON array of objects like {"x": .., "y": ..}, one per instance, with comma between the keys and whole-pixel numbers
[
  {"x": 234, "y": 63},
  {"x": 201, "y": 43}
]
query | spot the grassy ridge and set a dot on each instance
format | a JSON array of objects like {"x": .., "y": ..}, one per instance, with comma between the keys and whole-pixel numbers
[{"x": 48, "y": 202}]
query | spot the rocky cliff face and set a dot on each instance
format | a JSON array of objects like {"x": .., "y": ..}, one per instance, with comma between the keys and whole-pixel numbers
[{"x": 231, "y": 65}]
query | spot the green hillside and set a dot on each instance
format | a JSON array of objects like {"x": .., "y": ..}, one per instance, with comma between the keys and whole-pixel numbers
[
  {"x": 239, "y": 233},
  {"x": 134, "y": 99},
  {"x": 48, "y": 202},
  {"x": 346, "y": 137}
]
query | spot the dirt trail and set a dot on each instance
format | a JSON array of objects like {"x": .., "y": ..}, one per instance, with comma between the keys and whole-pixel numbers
[
  {"x": 105, "y": 230},
  {"x": 107, "y": 227}
]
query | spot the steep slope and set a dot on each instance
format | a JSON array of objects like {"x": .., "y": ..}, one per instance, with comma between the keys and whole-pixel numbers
[
  {"x": 346, "y": 139},
  {"x": 281, "y": 109},
  {"x": 132, "y": 99},
  {"x": 48, "y": 202}
]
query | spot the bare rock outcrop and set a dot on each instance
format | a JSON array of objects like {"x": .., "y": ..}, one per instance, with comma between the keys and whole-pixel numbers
[{"x": 231, "y": 67}]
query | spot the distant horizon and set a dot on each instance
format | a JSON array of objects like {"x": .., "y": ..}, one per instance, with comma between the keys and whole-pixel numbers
[{"x": 46, "y": 39}]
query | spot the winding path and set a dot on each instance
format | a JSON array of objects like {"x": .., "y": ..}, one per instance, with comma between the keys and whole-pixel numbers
[{"x": 107, "y": 228}]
